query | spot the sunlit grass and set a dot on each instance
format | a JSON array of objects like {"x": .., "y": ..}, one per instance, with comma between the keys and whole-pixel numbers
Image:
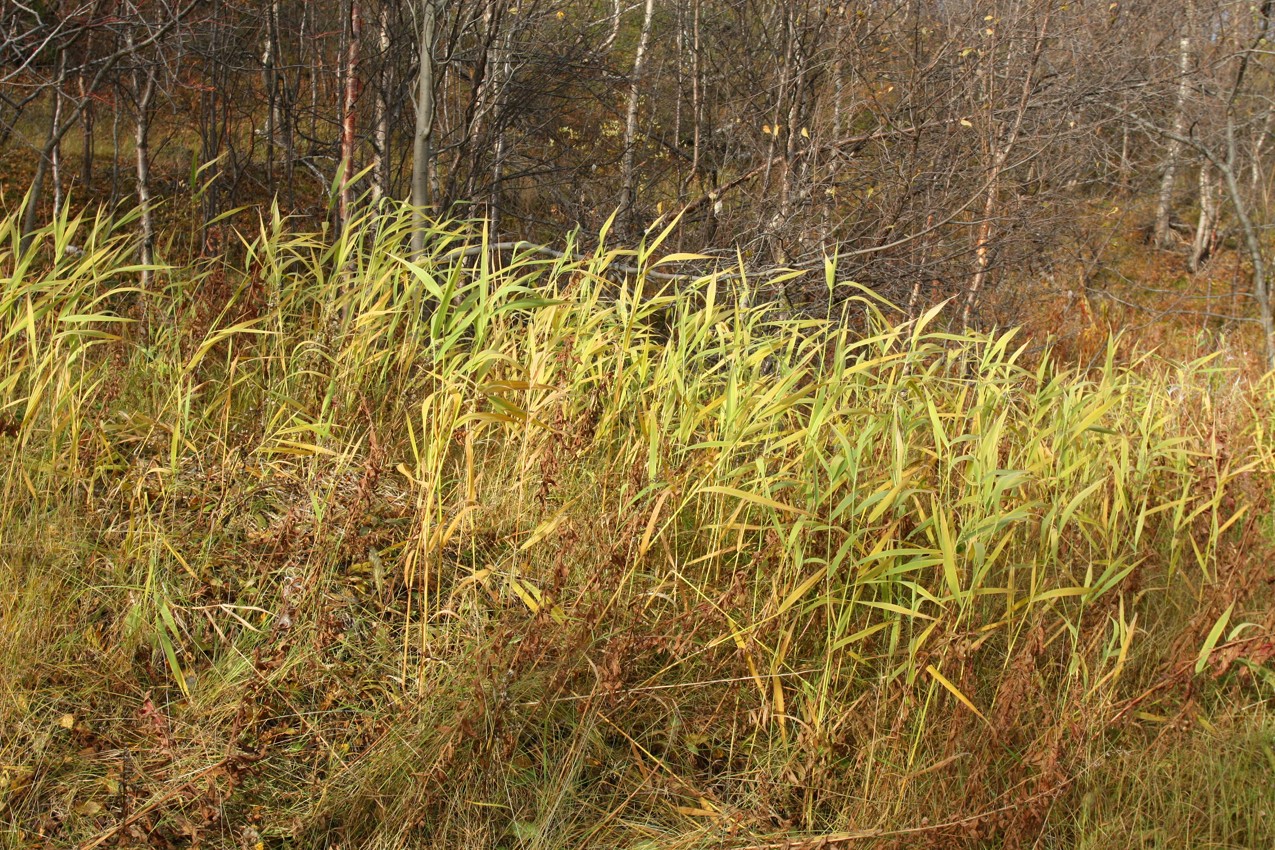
[{"x": 468, "y": 550}]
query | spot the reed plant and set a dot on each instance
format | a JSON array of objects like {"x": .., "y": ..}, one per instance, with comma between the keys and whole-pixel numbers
[{"x": 330, "y": 544}]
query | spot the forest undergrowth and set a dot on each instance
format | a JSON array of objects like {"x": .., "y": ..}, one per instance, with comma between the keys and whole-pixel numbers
[{"x": 341, "y": 547}]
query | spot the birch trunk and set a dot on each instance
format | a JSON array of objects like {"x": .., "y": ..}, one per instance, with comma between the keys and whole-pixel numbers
[
  {"x": 422, "y": 139},
  {"x": 381, "y": 119},
  {"x": 697, "y": 95},
  {"x": 115, "y": 151},
  {"x": 1002, "y": 146},
  {"x": 348, "y": 122},
  {"x": 55, "y": 156},
  {"x": 1252, "y": 240},
  {"x": 42, "y": 164},
  {"x": 615, "y": 27},
  {"x": 1164, "y": 202},
  {"x": 146, "y": 250},
  {"x": 268, "y": 74},
  {"x": 503, "y": 63},
  {"x": 628, "y": 196},
  {"x": 1206, "y": 226},
  {"x": 87, "y": 122}
]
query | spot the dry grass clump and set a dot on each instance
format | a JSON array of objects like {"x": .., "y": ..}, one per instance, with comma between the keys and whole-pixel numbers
[{"x": 342, "y": 548}]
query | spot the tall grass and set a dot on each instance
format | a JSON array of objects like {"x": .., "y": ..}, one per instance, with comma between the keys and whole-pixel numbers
[{"x": 341, "y": 546}]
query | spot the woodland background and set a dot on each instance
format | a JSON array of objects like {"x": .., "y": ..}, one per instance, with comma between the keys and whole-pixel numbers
[
  {"x": 682, "y": 425},
  {"x": 937, "y": 149}
]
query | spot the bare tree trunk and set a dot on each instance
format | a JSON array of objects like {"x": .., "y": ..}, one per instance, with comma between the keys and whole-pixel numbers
[
  {"x": 55, "y": 156},
  {"x": 697, "y": 94},
  {"x": 914, "y": 299},
  {"x": 270, "y": 80},
  {"x": 381, "y": 114},
  {"x": 47, "y": 156},
  {"x": 1256, "y": 171},
  {"x": 115, "y": 150},
  {"x": 285, "y": 102},
  {"x": 793, "y": 166},
  {"x": 1252, "y": 240},
  {"x": 500, "y": 82},
  {"x": 145, "y": 92},
  {"x": 316, "y": 65},
  {"x": 681, "y": 37},
  {"x": 1002, "y": 148},
  {"x": 839, "y": 80},
  {"x": 348, "y": 117},
  {"x": 1226, "y": 164},
  {"x": 781, "y": 90},
  {"x": 211, "y": 134},
  {"x": 1164, "y": 203},
  {"x": 1126, "y": 166},
  {"x": 87, "y": 121},
  {"x": 481, "y": 107},
  {"x": 35, "y": 193},
  {"x": 422, "y": 139},
  {"x": 1206, "y": 226},
  {"x": 615, "y": 27},
  {"x": 982, "y": 245},
  {"x": 59, "y": 126},
  {"x": 628, "y": 196}
]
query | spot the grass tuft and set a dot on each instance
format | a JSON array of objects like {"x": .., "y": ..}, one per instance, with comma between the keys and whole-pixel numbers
[{"x": 342, "y": 547}]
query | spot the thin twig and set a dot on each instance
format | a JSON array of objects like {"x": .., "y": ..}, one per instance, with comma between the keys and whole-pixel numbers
[{"x": 125, "y": 823}]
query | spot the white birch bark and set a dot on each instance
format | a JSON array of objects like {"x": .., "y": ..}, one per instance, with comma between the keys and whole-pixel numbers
[{"x": 627, "y": 177}]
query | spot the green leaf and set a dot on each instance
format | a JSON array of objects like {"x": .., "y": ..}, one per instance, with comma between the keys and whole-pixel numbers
[
  {"x": 942, "y": 680},
  {"x": 1210, "y": 642}
]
